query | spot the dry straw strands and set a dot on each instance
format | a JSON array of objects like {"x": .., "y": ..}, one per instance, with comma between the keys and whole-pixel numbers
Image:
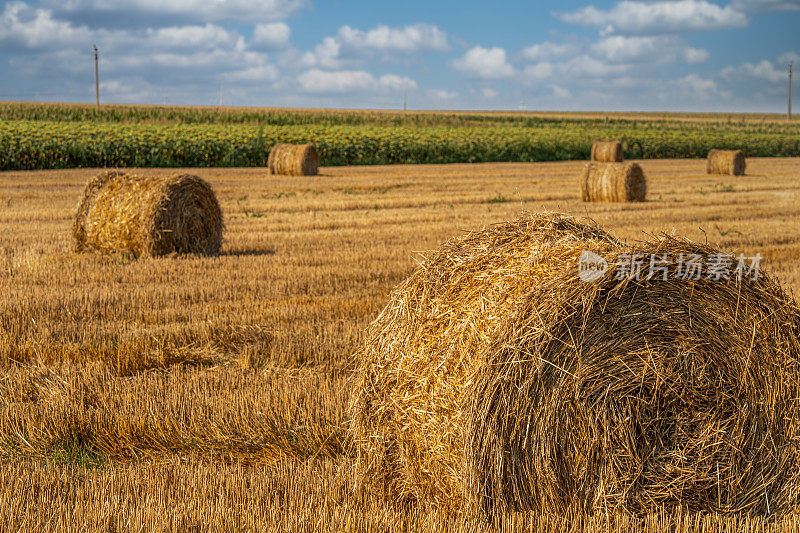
[
  {"x": 148, "y": 215},
  {"x": 293, "y": 160},
  {"x": 497, "y": 380},
  {"x": 607, "y": 152},
  {"x": 726, "y": 162},
  {"x": 613, "y": 182}
]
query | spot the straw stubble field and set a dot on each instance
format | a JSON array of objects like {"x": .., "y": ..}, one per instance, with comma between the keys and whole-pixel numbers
[{"x": 194, "y": 394}]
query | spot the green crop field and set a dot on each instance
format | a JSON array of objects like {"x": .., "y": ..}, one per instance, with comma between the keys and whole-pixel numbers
[{"x": 43, "y": 136}]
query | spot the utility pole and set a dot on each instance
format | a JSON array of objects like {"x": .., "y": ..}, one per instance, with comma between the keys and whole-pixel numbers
[
  {"x": 789, "y": 114},
  {"x": 405, "y": 100},
  {"x": 96, "y": 79}
]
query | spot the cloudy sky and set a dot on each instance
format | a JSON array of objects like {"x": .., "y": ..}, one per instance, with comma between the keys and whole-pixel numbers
[{"x": 693, "y": 55}]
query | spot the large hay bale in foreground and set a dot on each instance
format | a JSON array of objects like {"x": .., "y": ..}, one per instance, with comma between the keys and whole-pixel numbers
[
  {"x": 613, "y": 182},
  {"x": 293, "y": 160},
  {"x": 730, "y": 162},
  {"x": 498, "y": 379},
  {"x": 149, "y": 216},
  {"x": 607, "y": 152}
]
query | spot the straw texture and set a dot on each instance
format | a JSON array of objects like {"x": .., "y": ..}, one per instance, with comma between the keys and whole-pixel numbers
[
  {"x": 607, "y": 152},
  {"x": 730, "y": 162},
  {"x": 409, "y": 409},
  {"x": 148, "y": 216},
  {"x": 293, "y": 160},
  {"x": 613, "y": 182},
  {"x": 496, "y": 379}
]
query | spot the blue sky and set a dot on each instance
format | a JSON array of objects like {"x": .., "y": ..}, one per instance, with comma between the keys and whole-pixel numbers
[{"x": 684, "y": 55}]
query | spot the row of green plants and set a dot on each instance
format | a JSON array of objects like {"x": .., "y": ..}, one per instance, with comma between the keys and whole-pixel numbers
[
  {"x": 29, "y": 145},
  {"x": 253, "y": 116},
  {"x": 11, "y": 111}
]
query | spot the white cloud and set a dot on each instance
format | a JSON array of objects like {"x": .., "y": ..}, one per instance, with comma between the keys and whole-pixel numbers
[
  {"x": 577, "y": 68},
  {"x": 699, "y": 84},
  {"x": 409, "y": 39},
  {"x": 181, "y": 47},
  {"x": 190, "y": 38},
  {"x": 175, "y": 60},
  {"x": 271, "y": 36},
  {"x": 441, "y": 94},
  {"x": 585, "y": 66},
  {"x": 394, "y": 82},
  {"x": 764, "y": 70},
  {"x": 540, "y": 71},
  {"x": 789, "y": 57},
  {"x": 560, "y": 92},
  {"x": 694, "y": 55},
  {"x": 484, "y": 63},
  {"x": 351, "y": 81},
  {"x": 658, "y": 50},
  {"x": 202, "y": 10},
  {"x": 695, "y": 87},
  {"x": 547, "y": 51},
  {"x": 345, "y": 81},
  {"x": 261, "y": 73},
  {"x": 489, "y": 93},
  {"x": 350, "y": 46},
  {"x": 203, "y": 52},
  {"x": 195, "y": 57},
  {"x": 127, "y": 90},
  {"x": 648, "y": 18},
  {"x": 24, "y": 27},
  {"x": 326, "y": 54},
  {"x": 621, "y": 49}
]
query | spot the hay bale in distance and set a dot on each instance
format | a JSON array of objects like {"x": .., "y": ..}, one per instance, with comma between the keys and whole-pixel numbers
[
  {"x": 730, "y": 162},
  {"x": 607, "y": 152},
  {"x": 496, "y": 379},
  {"x": 293, "y": 160},
  {"x": 613, "y": 182},
  {"x": 149, "y": 216}
]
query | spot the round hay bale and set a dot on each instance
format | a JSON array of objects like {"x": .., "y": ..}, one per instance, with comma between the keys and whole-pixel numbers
[
  {"x": 613, "y": 182},
  {"x": 409, "y": 410},
  {"x": 293, "y": 160},
  {"x": 607, "y": 152},
  {"x": 497, "y": 379},
  {"x": 148, "y": 216},
  {"x": 730, "y": 162}
]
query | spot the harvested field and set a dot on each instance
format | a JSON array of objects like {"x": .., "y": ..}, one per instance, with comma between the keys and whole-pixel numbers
[{"x": 188, "y": 392}]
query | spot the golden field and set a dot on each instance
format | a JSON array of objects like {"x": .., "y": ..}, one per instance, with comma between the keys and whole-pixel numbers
[{"x": 209, "y": 394}]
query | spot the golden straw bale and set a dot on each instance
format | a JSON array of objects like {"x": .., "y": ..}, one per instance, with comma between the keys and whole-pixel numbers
[
  {"x": 293, "y": 160},
  {"x": 607, "y": 152},
  {"x": 497, "y": 379},
  {"x": 726, "y": 162},
  {"x": 409, "y": 410},
  {"x": 149, "y": 216},
  {"x": 613, "y": 182}
]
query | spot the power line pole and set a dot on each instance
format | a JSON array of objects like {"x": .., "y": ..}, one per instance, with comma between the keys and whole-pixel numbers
[
  {"x": 789, "y": 114},
  {"x": 405, "y": 100},
  {"x": 96, "y": 79}
]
